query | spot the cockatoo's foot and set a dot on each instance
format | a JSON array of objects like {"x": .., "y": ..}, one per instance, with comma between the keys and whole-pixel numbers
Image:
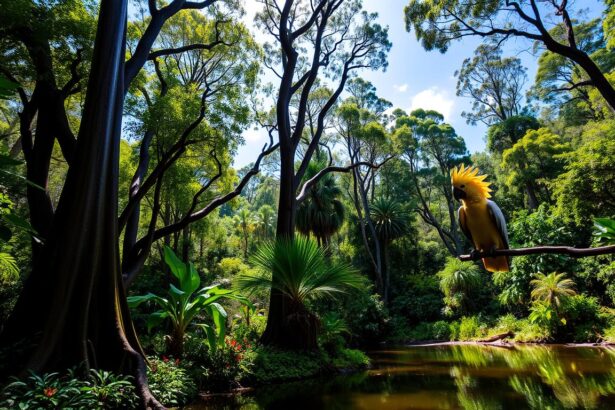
[{"x": 475, "y": 254}]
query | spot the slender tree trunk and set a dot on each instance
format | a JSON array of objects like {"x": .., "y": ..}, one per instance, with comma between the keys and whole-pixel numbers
[
  {"x": 532, "y": 199},
  {"x": 73, "y": 309}
]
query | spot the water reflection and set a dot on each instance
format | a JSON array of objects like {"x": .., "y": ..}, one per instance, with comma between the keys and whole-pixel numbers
[{"x": 452, "y": 377}]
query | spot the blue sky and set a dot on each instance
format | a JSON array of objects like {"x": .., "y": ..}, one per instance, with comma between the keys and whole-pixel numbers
[{"x": 416, "y": 78}]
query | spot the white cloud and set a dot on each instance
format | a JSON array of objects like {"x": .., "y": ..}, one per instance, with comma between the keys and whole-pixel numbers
[
  {"x": 433, "y": 98},
  {"x": 401, "y": 88},
  {"x": 251, "y": 7},
  {"x": 258, "y": 135}
]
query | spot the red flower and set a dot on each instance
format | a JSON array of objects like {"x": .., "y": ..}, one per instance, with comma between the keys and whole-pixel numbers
[
  {"x": 238, "y": 347},
  {"x": 165, "y": 359},
  {"x": 49, "y": 391},
  {"x": 233, "y": 343}
]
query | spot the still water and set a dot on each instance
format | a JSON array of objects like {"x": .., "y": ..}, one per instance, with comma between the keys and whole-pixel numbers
[{"x": 452, "y": 377}]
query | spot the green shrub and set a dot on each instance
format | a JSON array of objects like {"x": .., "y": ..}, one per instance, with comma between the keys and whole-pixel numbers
[
  {"x": 609, "y": 334},
  {"x": 420, "y": 300},
  {"x": 421, "y": 332},
  {"x": 453, "y": 328},
  {"x": 222, "y": 368},
  {"x": 441, "y": 330},
  {"x": 99, "y": 390},
  {"x": 584, "y": 320},
  {"x": 351, "y": 359},
  {"x": 506, "y": 323},
  {"x": 367, "y": 319},
  {"x": 333, "y": 329},
  {"x": 169, "y": 382},
  {"x": 252, "y": 332},
  {"x": 529, "y": 332},
  {"x": 272, "y": 365},
  {"x": 471, "y": 328}
]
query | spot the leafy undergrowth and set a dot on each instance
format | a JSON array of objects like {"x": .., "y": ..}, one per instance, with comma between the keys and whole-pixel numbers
[
  {"x": 582, "y": 320},
  {"x": 98, "y": 390},
  {"x": 272, "y": 365}
]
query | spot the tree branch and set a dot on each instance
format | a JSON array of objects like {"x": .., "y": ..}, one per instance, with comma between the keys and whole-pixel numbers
[
  {"x": 314, "y": 180},
  {"x": 539, "y": 250}
]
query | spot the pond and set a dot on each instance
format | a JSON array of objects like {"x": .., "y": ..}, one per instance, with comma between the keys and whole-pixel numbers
[{"x": 452, "y": 377}]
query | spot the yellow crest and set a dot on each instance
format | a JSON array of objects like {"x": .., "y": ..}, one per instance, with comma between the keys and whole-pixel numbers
[{"x": 468, "y": 176}]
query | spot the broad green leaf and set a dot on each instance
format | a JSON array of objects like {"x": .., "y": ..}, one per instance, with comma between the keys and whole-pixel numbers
[
  {"x": 604, "y": 230},
  {"x": 211, "y": 336},
  {"x": 219, "y": 316},
  {"x": 178, "y": 268},
  {"x": 134, "y": 301},
  {"x": 155, "y": 319},
  {"x": 194, "y": 279}
]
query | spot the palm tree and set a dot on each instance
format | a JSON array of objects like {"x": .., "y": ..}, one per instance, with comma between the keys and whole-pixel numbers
[
  {"x": 321, "y": 213},
  {"x": 245, "y": 224},
  {"x": 391, "y": 222},
  {"x": 458, "y": 280},
  {"x": 265, "y": 219},
  {"x": 302, "y": 273},
  {"x": 552, "y": 288}
]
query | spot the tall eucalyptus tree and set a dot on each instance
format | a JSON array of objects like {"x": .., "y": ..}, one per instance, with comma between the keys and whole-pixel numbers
[{"x": 311, "y": 41}]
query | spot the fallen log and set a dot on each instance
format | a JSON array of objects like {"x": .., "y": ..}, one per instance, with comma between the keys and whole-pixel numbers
[{"x": 497, "y": 337}]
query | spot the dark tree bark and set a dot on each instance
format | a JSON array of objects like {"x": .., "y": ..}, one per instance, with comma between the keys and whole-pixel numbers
[
  {"x": 73, "y": 309},
  {"x": 298, "y": 80}
]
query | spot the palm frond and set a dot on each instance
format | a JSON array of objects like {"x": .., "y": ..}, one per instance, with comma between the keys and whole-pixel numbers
[
  {"x": 9, "y": 271},
  {"x": 299, "y": 269}
]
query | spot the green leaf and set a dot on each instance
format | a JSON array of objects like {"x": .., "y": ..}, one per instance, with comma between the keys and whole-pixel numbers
[
  {"x": 155, "y": 319},
  {"x": 211, "y": 337},
  {"x": 8, "y": 161},
  {"x": 563, "y": 321},
  {"x": 7, "y": 87},
  {"x": 178, "y": 268},
  {"x": 604, "y": 230},
  {"x": 18, "y": 222},
  {"x": 134, "y": 301},
  {"x": 194, "y": 279},
  {"x": 219, "y": 316}
]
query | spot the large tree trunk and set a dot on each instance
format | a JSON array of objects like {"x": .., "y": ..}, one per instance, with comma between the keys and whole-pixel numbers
[
  {"x": 289, "y": 325},
  {"x": 73, "y": 309}
]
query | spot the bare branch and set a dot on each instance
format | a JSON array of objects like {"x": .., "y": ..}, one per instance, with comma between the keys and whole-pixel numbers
[
  {"x": 540, "y": 250},
  {"x": 314, "y": 180}
]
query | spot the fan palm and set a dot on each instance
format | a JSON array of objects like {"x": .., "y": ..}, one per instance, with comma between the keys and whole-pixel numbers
[
  {"x": 299, "y": 270},
  {"x": 390, "y": 219},
  {"x": 391, "y": 222},
  {"x": 321, "y": 213},
  {"x": 552, "y": 288},
  {"x": 457, "y": 281}
]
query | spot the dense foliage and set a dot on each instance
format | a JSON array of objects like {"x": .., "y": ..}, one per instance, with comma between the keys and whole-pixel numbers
[{"x": 343, "y": 232}]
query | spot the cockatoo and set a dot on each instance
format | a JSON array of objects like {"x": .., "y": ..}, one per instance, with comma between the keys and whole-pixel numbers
[{"x": 480, "y": 219}]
